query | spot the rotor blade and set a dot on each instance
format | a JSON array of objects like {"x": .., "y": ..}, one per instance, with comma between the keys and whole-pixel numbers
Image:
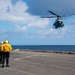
[
  {"x": 63, "y": 16},
  {"x": 52, "y": 13},
  {"x": 67, "y": 15},
  {"x": 49, "y": 17}
]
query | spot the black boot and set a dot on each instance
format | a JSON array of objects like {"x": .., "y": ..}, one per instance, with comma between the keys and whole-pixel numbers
[
  {"x": 7, "y": 65},
  {"x": 3, "y": 66}
]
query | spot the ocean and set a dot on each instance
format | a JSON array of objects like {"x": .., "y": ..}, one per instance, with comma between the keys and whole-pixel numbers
[{"x": 66, "y": 48}]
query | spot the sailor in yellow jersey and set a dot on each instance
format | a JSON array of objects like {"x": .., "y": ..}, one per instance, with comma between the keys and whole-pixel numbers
[
  {"x": 6, "y": 48},
  {"x": 1, "y": 51}
]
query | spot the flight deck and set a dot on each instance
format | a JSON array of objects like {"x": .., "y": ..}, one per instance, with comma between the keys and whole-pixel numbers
[{"x": 39, "y": 63}]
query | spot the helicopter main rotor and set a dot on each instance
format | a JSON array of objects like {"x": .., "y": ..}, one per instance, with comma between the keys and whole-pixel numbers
[
  {"x": 53, "y": 14},
  {"x": 59, "y": 22}
]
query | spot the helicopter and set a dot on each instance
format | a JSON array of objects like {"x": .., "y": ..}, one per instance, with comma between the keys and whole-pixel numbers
[{"x": 58, "y": 22}]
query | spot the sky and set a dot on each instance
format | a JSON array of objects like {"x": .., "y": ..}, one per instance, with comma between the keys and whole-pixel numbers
[{"x": 21, "y": 22}]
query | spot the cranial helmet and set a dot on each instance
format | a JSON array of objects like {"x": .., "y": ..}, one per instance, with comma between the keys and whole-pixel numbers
[
  {"x": 7, "y": 41},
  {"x": 2, "y": 42}
]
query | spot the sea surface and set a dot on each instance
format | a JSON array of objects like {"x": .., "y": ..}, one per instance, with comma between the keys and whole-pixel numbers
[{"x": 66, "y": 48}]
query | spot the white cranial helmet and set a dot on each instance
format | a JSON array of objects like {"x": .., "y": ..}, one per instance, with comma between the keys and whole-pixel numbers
[
  {"x": 7, "y": 41},
  {"x": 2, "y": 42}
]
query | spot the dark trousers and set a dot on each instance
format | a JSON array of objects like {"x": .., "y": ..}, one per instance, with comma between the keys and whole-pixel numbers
[
  {"x": 5, "y": 58},
  {"x": 0, "y": 56}
]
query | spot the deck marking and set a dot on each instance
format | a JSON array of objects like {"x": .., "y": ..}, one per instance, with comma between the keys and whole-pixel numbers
[
  {"x": 49, "y": 65},
  {"x": 49, "y": 59},
  {"x": 21, "y": 71},
  {"x": 27, "y": 57},
  {"x": 37, "y": 63},
  {"x": 62, "y": 67}
]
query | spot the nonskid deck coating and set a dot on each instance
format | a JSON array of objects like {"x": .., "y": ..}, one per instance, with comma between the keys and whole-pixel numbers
[{"x": 39, "y": 63}]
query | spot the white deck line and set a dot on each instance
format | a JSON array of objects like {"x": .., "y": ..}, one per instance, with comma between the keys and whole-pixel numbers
[
  {"x": 24, "y": 72},
  {"x": 27, "y": 57},
  {"x": 62, "y": 67},
  {"x": 50, "y": 65}
]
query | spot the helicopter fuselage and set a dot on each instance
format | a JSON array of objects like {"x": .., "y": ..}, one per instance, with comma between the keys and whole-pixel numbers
[{"x": 58, "y": 23}]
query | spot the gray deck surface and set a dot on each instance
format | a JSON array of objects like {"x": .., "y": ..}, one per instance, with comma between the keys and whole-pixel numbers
[{"x": 39, "y": 63}]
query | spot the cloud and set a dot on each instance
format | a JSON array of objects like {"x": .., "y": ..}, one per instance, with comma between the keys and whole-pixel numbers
[
  {"x": 41, "y": 7},
  {"x": 28, "y": 23},
  {"x": 62, "y": 7},
  {"x": 17, "y": 14},
  {"x": 56, "y": 33},
  {"x": 23, "y": 21},
  {"x": 40, "y": 23}
]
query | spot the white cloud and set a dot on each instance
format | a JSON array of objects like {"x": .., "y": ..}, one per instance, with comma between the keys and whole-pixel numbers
[
  {"x": 62, "y": 7},
  {"x": 40, "y": 23},
  {"x": 53, "y": 33},
  {"x": 3, "y": 5},
  {"x": 20, "y": 28},
  {"x": 24, "y": 21},
  {"x": 17, "y": 14}
]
